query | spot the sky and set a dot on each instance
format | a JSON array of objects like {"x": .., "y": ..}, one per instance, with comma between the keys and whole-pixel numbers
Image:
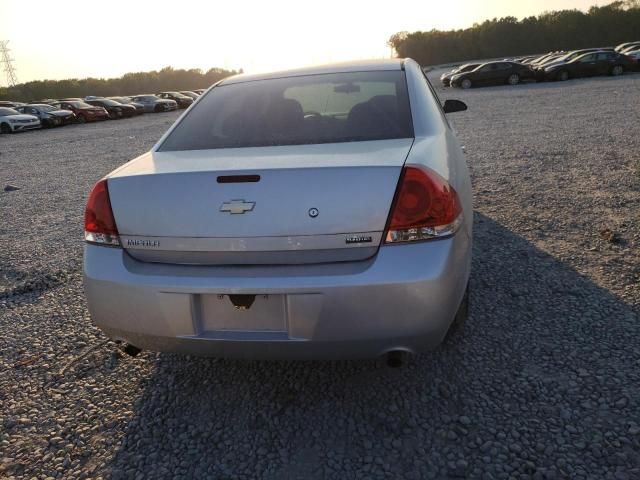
[{"x": 82, "y": 38}]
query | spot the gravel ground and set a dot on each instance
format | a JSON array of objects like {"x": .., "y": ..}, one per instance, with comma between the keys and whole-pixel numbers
[{"x": 543, "y": 383}]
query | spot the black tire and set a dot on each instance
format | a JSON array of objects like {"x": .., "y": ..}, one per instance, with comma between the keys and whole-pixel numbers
[
  {"x": 513, "y": 79},
  {"x": 457, "y": 326},
  {"x": 158, "y": 109},
  {"x": 5, "y": 128},
  {"x": 617, "y": 70},
  {"x": 81, "y": 119},
  {"x": 466, "y": 84},
  {"x": 562, "y": 76}
]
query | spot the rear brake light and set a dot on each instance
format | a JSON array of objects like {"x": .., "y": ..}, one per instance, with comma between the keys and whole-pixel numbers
[
  {"x": 99, "y": 224},
  {"x": 425, "y": 207}
]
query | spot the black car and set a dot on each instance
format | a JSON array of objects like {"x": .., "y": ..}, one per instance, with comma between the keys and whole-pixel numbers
[
  {"x": 445, "y": 78},
  {"x": 193, "y": 95},
  {"x": 493, "y": 73},
  {"x": 115, "y": 109},
  {"x": 182, "y": 100},
  {"x": 567, "y": 57},
  {"x": 605, "y": 62},
  {"x": 49, "y": 115}
]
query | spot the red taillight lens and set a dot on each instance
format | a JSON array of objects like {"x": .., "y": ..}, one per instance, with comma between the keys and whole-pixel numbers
[
  {"x": 99, "y": 224},
  {"x": 426, "y": 207}
]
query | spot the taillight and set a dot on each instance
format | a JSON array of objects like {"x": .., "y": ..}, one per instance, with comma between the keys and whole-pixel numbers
[
  {"x": 425, "y": 207},
  {"x": 99, "y": 224}
]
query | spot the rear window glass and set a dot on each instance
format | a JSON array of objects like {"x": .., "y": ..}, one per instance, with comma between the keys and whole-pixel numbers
[{"x": 328, "y": 108}]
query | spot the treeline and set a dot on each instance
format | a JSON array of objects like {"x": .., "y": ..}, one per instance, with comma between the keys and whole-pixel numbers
[
  {"x": 603, "y": 26},
  {"x": 129, "y": 84}
]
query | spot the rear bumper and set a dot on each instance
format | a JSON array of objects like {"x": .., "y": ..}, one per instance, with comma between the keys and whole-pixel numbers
[{"x": 404, "y": 298}]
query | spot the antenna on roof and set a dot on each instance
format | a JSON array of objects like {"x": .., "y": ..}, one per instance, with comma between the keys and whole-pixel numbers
[{"x": 6, "y": 60}]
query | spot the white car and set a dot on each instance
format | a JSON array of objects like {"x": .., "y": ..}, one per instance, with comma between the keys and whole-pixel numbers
[
  {"x": 634, "y": 54},
  {"x": 12, "y": 121}
]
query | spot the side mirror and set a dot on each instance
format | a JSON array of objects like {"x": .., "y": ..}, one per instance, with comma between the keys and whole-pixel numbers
[{"x": 452, "y": 106}]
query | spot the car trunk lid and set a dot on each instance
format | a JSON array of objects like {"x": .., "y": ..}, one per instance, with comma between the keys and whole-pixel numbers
[{"x": 263, "y": 205}]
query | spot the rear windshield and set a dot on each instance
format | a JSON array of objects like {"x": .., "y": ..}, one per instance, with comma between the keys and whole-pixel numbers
[{"x": 328, "y": 108}]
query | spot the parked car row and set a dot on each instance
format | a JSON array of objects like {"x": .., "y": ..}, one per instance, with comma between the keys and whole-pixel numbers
[
  {"x": 49, "y": 112},
  {"x": 552, "y": 66}
]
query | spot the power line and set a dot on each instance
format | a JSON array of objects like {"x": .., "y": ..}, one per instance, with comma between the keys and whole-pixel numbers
[{"x": 6, "y": 60}]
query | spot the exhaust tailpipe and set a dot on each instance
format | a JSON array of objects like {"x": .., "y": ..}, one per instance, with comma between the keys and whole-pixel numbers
[
  {"x": 131, "y": 350},
  {"x": 397, "y": 358}
]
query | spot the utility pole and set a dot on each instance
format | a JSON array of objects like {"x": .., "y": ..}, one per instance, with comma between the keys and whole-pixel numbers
[{"x": 5, "y": 59}]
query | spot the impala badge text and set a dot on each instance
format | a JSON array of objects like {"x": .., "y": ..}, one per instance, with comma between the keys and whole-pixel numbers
[
  {"x": 359, "y": 239},
  {"x": 142, "y": 243}
]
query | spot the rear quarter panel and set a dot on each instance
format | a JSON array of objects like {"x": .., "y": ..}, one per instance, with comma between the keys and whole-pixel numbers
[{"x": 436, "y": 145}]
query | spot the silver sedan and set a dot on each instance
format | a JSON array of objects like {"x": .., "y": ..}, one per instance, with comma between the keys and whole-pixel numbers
[
  {"x": 152, "y": 103},
  {"x": 318, "y": 213}
]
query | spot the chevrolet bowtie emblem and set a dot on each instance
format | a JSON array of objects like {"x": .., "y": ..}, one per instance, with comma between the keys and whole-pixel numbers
[{"x": 235, "y": 207}]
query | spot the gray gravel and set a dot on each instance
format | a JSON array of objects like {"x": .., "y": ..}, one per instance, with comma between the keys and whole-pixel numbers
[{"x": 543, "y": 383}]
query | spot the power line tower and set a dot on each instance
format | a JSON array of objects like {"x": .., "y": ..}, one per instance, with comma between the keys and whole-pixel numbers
[{"x": 6, "y": 60}]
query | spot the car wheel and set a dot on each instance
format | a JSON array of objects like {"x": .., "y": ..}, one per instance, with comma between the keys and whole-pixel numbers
[
  {"x": 5, "y": 128},
  {"x": 617, "y": 70},
  {"x": 563, "y": 75},
  {"x": 513, "y": 79},
  {"x": 459, "y": 320},
  {"x": 465, "y": 83},
  {"x": 81, "y": 119},
  {"x": 158, "y": 108}
]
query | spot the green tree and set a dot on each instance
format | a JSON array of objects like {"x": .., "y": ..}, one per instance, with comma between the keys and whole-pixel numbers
[
  {"x": 603, "y": 26},
  {"x": 132, "y": 83}
]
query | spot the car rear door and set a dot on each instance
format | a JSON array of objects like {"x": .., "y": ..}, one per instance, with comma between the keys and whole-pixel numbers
[
  {"x": 33, "y": 111},
  {"x": 586, "y": 66},
  {"x": 484, "y": 75},
  {"x": 604, "y": 62}
]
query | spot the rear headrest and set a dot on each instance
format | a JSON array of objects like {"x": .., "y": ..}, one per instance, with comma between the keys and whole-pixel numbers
[
  {"x": 376, "y": 117},
  {"x": 284, "y": 115},
  {"x": 263, "y": 118}
]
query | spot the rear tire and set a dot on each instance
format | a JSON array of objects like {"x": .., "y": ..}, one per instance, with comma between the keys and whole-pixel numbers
[
  {"x": 457, "y": 326},
  {"x": 466, "y": 84},
  {"x": 81, "y": 119},
  {"x": 617, "y": 70},
  {"x": 514, "y": 79},
  {"x": 562, "y": 76},
  {"x": 5, "y": 128}
]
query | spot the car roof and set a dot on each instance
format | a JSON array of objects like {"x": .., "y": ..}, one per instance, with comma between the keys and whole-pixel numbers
[
  {"x": 495, "y": 61},
  {"x": 591, "y": 53},
  {"x": 343, "y": 67}
]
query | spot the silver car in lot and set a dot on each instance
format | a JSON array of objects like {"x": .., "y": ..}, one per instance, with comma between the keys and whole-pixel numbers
[
  {"x": 152, "y": 103},
  {"x": 318, "y": 213}
]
